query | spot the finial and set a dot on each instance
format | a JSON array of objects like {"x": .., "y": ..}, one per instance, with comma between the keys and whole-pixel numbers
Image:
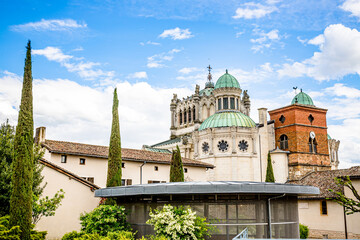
[
  {"x": 209, "y": 75},
  {"x": 226, "y": 71},
  {"x": 300, "y": 89}
]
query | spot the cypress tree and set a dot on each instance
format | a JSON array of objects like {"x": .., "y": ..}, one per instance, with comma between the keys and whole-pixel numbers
[
  {"x": 269, "y": 170},
  {"x": 176, "y": 167},
  {"x": 22, "y": 176},
  {"x": 114, "y": 161}
]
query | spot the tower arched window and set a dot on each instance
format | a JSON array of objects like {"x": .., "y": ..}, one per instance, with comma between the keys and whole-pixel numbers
[
  {"x": 232, "y": 103},
  {"x": 189, "y": 114},
  {"x": 185, "y": 116},
  {"x": 180, "y": 117},
  {"x": 219, "y": 104},
  {"x": 312, "y": 145},
  {"x": 194, "y": 111},
  {"x": 284, "y": 142}
]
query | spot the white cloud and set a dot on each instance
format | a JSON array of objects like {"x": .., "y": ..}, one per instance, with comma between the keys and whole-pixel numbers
[
  {"x": 188, "y": 70},
  {"x": 73, "y": 112},
  {"x": 265, "y": 39},
  {"x": 49, "y": 25},
  {"x": 352, "y": 6},
  {"x": 157, "y": 60},
  {"x": 318, "y": 40},
  {"x": 52, "y": 54},
  {"x": 176, "y": 34},
  {"x": 86, "y": 70},
  {"x": 138, "y": 75},
  {"x": 253, "y": 10},
  {"x": 303, "y": 41},
  {"x": 339, "y": 56}
]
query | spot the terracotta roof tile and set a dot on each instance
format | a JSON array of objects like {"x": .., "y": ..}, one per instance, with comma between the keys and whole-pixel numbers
[
  {"x": 324, "y": 180},
  {"x": 126, "y": 153}
]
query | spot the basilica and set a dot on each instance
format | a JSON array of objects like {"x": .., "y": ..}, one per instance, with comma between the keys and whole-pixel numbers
[{"x": 214, "y": 126}]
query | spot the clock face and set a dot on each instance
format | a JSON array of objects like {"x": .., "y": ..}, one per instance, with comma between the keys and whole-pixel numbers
[{"x": 312, "y": 134}]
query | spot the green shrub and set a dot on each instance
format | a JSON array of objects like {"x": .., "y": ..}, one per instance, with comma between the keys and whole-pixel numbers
[
  {"x": 13, "y": 233},
  {"x": 178, "y": 223},
  {"x": 105, "y": 219},
  {"x": 72, "y": 235},
  {"x": 122, "y": 235},
  {"x": 304, "y": 231}
]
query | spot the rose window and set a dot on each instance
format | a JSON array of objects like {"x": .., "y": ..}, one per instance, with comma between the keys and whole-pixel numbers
[
  {"x": 243, "y": 145},
  {"x": 205, "y": 147},
  {"x": 223, "y": 145}
]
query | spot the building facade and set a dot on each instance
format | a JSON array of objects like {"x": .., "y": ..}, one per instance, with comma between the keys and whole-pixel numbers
[{"x": 213, "y": 125}]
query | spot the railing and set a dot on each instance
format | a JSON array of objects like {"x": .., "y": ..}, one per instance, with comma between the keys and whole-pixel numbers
[{"x": 242, "y": 235}]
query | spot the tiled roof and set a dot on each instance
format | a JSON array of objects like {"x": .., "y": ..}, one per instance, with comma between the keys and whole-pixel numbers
[
  {"x": 127, "y": 154},
  {"x": 69, "y": 174},
  {"x": 324, "y": 180}
]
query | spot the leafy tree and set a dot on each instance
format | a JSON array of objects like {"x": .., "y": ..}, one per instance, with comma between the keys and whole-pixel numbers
[
  {"x": 46, "y": 206},
  {"x": 269, "y": 170},
  {"x": 7, "y": 134},
  {"x": 104, "y": 219},
  {"x": 41, "y": 206},
  {"x": 176, "y": 167},
  {"x": 8, "y": 232},
  {"x": 114, "y": 162},
  {"x": 22, "y": 174},
  {"x": 351, "y": 205}
]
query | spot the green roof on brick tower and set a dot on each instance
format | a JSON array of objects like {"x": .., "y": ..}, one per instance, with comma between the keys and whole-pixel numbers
[
  {"x": 302, "y": 98},
  {"x": 227, "y": 80}
]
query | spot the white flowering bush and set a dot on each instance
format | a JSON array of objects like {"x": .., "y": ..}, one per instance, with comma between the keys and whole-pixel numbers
[{"x": 178, "y": 223}]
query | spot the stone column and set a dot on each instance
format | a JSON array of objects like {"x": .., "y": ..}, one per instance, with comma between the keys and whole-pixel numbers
[
  {"x": 211, "y": 142},
  {"x": 233, "y": 138}
]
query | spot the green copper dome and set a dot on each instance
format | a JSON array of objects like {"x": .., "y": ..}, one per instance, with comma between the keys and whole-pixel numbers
[
  {"x": 328, "y": 137},
  {"x": 227, "y": 80},
  {"x": 227, "y": 119},
  {"x": 302, "y": 98}
]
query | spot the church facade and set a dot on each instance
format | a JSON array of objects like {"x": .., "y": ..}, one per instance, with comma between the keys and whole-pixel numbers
[{"x": 214, "y": 126}]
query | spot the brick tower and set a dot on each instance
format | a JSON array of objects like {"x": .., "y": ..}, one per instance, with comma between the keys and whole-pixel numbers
[{"x": 301, "y": 129}]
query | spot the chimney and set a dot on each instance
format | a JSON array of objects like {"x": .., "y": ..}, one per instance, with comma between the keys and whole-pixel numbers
[
  {"x": 40, "y": 135},
  {"x": 263, "y": 116}
]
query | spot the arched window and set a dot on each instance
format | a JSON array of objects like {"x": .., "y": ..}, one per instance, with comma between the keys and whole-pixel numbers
[
  {"x": 185, "y": 119},
  {"x": 226, "y": 103},
  {"x": 312, "y": 145},
  {"x": 180, "y": 117},
  {"x": 284, "y": 142},
  {"x": 194, "y": 117},
  {"x": 189, "y": 114},
  {"x": 232, "y": 103},
  {"x": 219, "y": 104}
]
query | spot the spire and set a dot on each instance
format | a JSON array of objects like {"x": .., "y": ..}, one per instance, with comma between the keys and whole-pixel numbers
[
  {"x": 209, "y": 83},
  {"x": 209, "y": 76}
]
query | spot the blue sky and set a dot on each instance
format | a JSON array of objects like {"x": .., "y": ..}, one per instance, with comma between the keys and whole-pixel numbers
[{"x": 151, "y": 49}]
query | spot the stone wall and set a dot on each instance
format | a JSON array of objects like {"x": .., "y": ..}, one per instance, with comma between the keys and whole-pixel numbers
[{"x": 319, "y": 234}]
